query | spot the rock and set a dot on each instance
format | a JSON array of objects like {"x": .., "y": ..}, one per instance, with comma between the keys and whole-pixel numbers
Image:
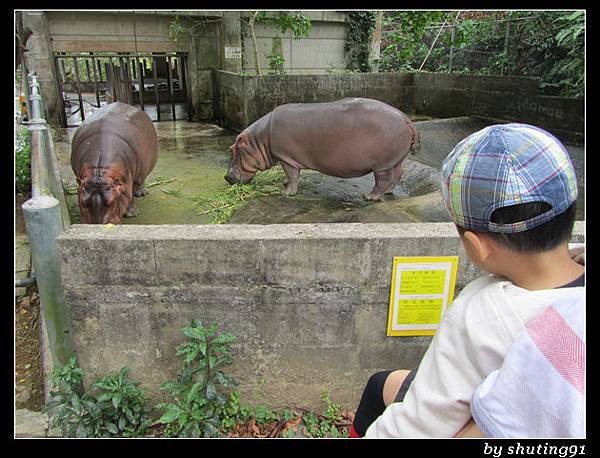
[
  {"x": 23, "y": 394},
  {"x": 30, "y": 424}
]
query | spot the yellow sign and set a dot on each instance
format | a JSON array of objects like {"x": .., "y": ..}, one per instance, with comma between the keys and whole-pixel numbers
[{"x": 422, "y": 289}]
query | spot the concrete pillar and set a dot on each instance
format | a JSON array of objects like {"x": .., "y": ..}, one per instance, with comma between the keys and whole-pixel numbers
[
  {"x": 39, "y": 60},
  {"x": 231, "y": 42}
]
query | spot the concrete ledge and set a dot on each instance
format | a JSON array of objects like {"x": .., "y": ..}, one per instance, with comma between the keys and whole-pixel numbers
[{"x": 308, "y": 303}]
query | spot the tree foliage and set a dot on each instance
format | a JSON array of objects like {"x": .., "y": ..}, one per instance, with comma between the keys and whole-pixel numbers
[
  {"x": 358, "y": 40},
  {"x": 545, "y": 44}
]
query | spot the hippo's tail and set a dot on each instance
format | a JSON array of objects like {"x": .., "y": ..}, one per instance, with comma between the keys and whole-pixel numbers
[{"x": 415, "y": 144}]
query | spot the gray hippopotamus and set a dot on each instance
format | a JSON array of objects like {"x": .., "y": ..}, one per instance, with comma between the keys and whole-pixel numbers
[
  {"x": 347, "y": 138},
  {"x": 112, "y": 153}
]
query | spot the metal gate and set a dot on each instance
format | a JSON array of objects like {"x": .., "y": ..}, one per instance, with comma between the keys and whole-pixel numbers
[{"x": 155, "y": 82}]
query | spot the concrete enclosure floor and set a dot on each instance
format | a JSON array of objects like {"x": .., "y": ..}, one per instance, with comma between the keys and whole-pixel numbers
[{"x": 193, "y": 159}]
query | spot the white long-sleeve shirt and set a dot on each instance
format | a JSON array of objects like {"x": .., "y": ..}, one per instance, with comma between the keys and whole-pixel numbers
[
  {"x": 546, "y": 363},
  {"x": 473, "y": 338}
]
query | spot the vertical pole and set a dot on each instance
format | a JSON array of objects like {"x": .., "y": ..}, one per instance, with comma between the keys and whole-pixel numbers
[
  {"x": 184, "y": 86},
  {"x": 64, "y": 70},
  {"x": 154, "y": 74},
  {"x": 506, "y": 41},
  {"x": 96, "y": 81},
  {"x": 36, "y": 109},
  {"x": 100, "y": 70},
  {"x": 77, "y": 85},
  {"x": 170, "y": 84},
  {"x": 452, "y": 35},
  {"x": 87, "y": 69},
  {"x": 44, "y": 224},
  {"x": 61, "y": 99},
  {"x": 141, "y": 82},
  {"x": 128, "y": 81}
]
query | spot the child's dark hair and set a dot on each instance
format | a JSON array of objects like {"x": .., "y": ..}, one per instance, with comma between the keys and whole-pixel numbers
[{"x": 544, "y": 237}]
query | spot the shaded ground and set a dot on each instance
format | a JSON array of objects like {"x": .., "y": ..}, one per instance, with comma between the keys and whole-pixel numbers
[{"x": 29, "y": 377}]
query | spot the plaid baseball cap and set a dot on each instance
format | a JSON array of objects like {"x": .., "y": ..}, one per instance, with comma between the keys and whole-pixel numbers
[{"x": 504, "y": 165}]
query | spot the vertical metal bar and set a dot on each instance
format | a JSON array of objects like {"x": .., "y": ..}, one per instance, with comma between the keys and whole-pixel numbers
[
  {"x": 87, "y": 68},
  {"x": 96, "y": 89},
  {"x": 64, "y": 70},
  {"x": 506, "y": 41},
  {"x": 155, "y": 75},
  {"x": 141, "y": 83},
  {"x": 184, "y": 86},
  {"x": 100, "y": 78},
  {"x": 63, "y": 116},
  {"x": 128, "y": 82},
  {"x": 170, "y": 83},
  {"x": 452, "y": 35},
  {"x": 77, "y": 85}
]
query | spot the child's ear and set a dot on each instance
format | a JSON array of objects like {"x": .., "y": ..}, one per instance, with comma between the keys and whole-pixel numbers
[{"x": 479, "y": 245}]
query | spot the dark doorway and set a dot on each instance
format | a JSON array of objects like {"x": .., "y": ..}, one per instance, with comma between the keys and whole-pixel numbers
[{"x": 154, "y": 82}]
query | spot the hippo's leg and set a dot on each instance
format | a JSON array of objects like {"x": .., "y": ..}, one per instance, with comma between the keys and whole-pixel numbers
[
  {"x": 292, "y": 176},
  {"x": 383, "y": 180},
  {"x": 131, "y": 211},
  {"x": 397, "y": 175},
  {"x": 140, "y": 190}
]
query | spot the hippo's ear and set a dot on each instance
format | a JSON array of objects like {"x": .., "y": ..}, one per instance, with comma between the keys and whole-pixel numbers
[{"x": 241, "y": 140}]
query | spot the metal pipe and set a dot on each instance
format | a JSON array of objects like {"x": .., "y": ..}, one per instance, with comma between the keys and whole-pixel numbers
[
  {"x": 25, "y": 282},
  {"x": 43, "y": 222},
  {"x": 35, "y": 101}
]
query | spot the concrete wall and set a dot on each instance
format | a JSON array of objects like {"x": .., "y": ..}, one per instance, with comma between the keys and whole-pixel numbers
[
  {"x": 308, "y": 303},
  {"x": 321, "y": 51},
  {"x": 83, "y": 31},
  {"x": 240, "y": 100}
]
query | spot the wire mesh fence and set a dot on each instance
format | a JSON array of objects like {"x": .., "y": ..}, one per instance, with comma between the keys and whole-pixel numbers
[{"x": 522, "y": 46}]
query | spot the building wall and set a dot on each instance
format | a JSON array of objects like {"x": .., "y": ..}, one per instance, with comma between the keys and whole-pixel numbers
[{"x": 322, "y": 51}]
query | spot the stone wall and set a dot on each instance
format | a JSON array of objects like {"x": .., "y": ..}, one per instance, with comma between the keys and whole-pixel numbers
[
  {"x": 240, "y": 100},
  {"x": 308, "y": 303}
]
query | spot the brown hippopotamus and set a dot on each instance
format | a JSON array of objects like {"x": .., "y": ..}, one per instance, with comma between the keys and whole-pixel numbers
[
  {"x": 347, "y": 138},
  {"x": 112, "y": 153}
]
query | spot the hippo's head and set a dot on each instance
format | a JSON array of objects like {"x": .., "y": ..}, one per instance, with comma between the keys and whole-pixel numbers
[
  {"x": 243, "y": 163},
  {"x": 104, "y": 195}
]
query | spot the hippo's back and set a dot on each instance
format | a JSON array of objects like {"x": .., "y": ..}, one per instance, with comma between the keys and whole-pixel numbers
[
  {"x": 116, "y": 124},
  {"x": 344, "y": 138}
]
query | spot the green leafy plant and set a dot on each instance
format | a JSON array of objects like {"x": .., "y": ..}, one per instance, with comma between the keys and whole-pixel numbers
[
  {"x": 22, "y": 162},
  {"x": 198, "y": 398},
  {"x": 276, "y": 64},
  {"x": 325, "y": 425},
  {"x": 233, "y": 412},
  {"x": 114, "y": 406},
  {"x": 299, "y": 24},
  {"x": 124, "y": 405},
  {"x": 358, "y": 39}
]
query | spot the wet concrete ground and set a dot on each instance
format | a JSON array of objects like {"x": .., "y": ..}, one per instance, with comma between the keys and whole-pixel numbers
[{"x": 193, "y": 159}]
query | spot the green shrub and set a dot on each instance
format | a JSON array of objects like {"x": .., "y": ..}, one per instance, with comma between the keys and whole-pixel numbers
[
  {"x": 198, "y": 398},
  {"x": 114, "y": 406},
  {"x": 22, "y": 162}
]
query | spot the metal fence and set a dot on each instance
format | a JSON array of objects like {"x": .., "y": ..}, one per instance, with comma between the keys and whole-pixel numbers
[{"x": 504, "y": 47}]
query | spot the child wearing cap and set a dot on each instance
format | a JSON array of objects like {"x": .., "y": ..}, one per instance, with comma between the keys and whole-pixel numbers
[{"x": 511, "y": 191}]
